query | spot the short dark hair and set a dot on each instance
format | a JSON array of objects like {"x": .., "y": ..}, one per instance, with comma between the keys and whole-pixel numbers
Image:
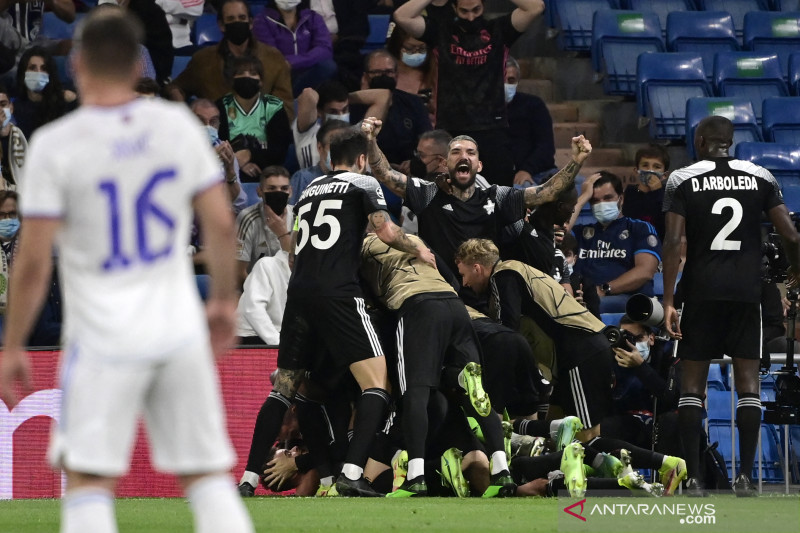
[
  {"x": 380, "y": 52},
  {"x": 653, "y": 151},
  {"x": 226, "y": 2},
  {"x": 109, "y": 42},
  {"x": 274, "y": 170},
  {"x": 243, "y": 63},
  {"x": 440, "y": 137},
  {"x": 331, "y": 91},
  {"x": 6, "y": 194},
  {"x": 715, "y": 129},
  {"x": 569, "y": 243},
  {"x": 608, "y": 177},
  {"x": 347, "y": 145},
  {"x": 330, "y": 126},
  {"x": 147, "y": 86},
  {"x": 465, "y": 138},
  {"x": 625, "y": 319}
]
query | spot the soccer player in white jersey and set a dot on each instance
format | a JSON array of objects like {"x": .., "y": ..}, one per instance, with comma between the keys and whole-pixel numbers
[{"x": 115, "y": 184}]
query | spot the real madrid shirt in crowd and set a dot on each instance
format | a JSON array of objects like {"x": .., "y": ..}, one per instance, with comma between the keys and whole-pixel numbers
[{"x": 606, "y": 253}]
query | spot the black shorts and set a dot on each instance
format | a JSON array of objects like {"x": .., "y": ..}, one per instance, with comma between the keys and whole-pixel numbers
[
  {"x": 715, "y": 328},
  {"x": 433, "y": 333},
  {"x": 339, "y": 327},
  {"x": 585, "y": 390}
]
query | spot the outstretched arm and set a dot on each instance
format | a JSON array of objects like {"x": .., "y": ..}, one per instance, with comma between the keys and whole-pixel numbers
[
  {"x": 409, "y": 17},
  {"x": 383, "y": 172},
  {"x": 525, "y": 13},
  {"x": 563, "y": 179},
  {"x": 394, "y": 236}
]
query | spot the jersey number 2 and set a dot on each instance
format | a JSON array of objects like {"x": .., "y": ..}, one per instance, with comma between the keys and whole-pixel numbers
[
  {"x": 146, "y": 210},
  {"x": 321, "y": 219},
  {"x": 721, "y": 241}
]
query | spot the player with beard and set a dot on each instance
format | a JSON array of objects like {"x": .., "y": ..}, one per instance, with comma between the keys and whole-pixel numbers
[{"x": 459, "y": 210}]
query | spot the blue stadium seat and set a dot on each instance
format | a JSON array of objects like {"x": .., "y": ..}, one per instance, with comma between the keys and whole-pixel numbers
[
  {"x": 771, "y": 455},
  {"x": 774, "y": 33},
  {"x": 658, "y": 284},
  {"x": 718, "y": 405},
  {"x": 782, "y": 120},
  {"x": 737, "y": 110},
  {"x": 378, "y": 30},
  {"x": 737, "y": 9},
  {"x": 251, "y": 189},
  {"x": 783, "y": 161},
  {"x": 55, "y": 28},
  {"x": 794, "y": 73},
  {"x": 786, "y": 5},
  {"x": 701, "y": 32},
  {"x": 203, "y": 282},
  {"x": 662, "y": 8},
  {"x": 750, "y": 75},
  {"x": 618, "y": 38},
  {"x": 574, "y": 20},
  {"x": 64, "y": 71},
  {"x": 207, "y": 30},
  {"x": 715, "y": 378},
  {"x": 179, "y": 64},
  {"x": 665, "y": 81},
  {"x": 611, "y": 319}
]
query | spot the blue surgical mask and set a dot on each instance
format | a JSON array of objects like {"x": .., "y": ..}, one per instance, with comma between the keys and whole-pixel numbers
[
  {"x": 6, "y": 116},
  {"x": 414, "y": 60},
  {"x": 344, "y": 117},
  {"x": 605, "y": 212},
  {"x": 644, "y": 349},
  {"x": 36, "y": 81},
  {"x": 9, "y": 227},
  {"x": 644, "y": 175},
  {"x": 213, "y": 135},
  {"x": 511, "y": 90}
]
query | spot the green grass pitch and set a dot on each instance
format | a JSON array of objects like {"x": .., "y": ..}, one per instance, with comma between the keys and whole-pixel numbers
[{"x": 279, "y": 514}]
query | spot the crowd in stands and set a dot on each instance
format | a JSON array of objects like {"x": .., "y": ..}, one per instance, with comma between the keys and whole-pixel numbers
[{"x": 466, "y": 161}]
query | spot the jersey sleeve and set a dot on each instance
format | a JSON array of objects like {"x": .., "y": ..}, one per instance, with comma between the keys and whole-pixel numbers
[
  {"x": 774, "y": 196},
  {"x": 419, "y": 194},
  {"x": 510, "y": 204},
  {"x": 431, "y": 32},
  {"x": 674, "y": 200},
  {"x": 646, "y": 239},
  {"x": 508, "y": 31},
  {"x": 243, "y": 246},
  {"x": 43, "y": 190},
  {"x": 200, "y": 160},
  {"x": 373, "y": 194}
]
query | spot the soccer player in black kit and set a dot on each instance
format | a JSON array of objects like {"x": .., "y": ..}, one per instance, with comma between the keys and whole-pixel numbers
[
  {"x": 717, "y": 203},
  {"x": 325, "y": 312}
]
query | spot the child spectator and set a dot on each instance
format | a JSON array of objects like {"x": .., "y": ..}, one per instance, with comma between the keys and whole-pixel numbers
[{"x": 644, "y": 200}]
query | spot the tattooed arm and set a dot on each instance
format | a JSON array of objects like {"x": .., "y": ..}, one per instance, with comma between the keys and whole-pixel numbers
[
  {"x": 383, "y": 172},
  {"x": 394, "y": 236},
  {"x": 563, "y": 179}
]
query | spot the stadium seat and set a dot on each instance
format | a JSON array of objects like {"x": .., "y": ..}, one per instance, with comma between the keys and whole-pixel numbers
[
  {"x": 611, "y": 319},
  {"x": 658, "y": 284},
  {"x": 179, "y": 64},
  {"x": 782, "y": 120},
  {"x": 718, "y": 405},
  {"x": 750, "y": 75},
  {"x": 378, "y": 30},
  {"x": 786, "y": 5},
  {"x": 64, "y": 71},
  {"x": 715, "y": 378},
  {"x": 207, "y": 30},
  {"x": 774, "y": 33},
  {"x": 737, "y": 9},
  {"x": 783, "y": 161},
  {"x": 574, "y": 21},
  {"x": 665, "y": 81},
  {"x": 203, "y": 282},
  {"x": 662, "y": 8},
  {"x": 701, "y": 32},
  {"x": 618, "y": 38},
  {"x": 55, "y": 28},
  {"x": 251, "y": 189},
  {"x": 737, "y": 110},
  {"x": 794, "y": 73}
]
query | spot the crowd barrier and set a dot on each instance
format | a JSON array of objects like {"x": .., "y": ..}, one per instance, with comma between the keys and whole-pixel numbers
[{"x": 24, "y": 430}]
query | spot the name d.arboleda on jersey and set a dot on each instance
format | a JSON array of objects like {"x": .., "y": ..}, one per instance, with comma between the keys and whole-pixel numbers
[{"x": 725, "y": 183}]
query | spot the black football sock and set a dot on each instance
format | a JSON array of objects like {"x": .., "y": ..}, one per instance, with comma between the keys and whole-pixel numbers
[
  {"x": 268, "y": 425},
  {"x": 640, "y": 457},
  {"x": 690, "y": 424},
  {"x": 317, "y": 432},
  {"x": 534, "y": 428},
  {"x": 370, "y": 412},
  {"x": 415, "y": 420},
  {"x": 748, "y": 420}
]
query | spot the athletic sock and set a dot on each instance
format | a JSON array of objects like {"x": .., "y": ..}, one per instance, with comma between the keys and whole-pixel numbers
[
  {"x": 640, "y": 457},
  {"x": 414, "y": 420},
  {"x": 268, "y": 425},
  {"x": 748, "y": 420},
  {"x": 217, "y": 506},
  {"x": 534, "y": 428},
  {"x": 317, "y": 432},
  {"x": 690, "y": 424},
  {"x": 416, "y": 467},
  {"x": 88, "y": 510},
  {"x": 499, "y": 462},
  {"x": 370, "y": 411}
]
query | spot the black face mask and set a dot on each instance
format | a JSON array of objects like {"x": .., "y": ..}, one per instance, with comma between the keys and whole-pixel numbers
[
  {"x": 276, "y": 200},
  {"x": 471, "y": 26},
  {"x": 383, "y": 82},
  {"x": 237, "y": 32},
  {"x": 246, "y": 87},
  {"x": 417, "y": 168}
]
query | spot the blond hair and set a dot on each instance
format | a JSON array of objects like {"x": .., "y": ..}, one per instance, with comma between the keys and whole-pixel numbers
[{"x": 478, "y": 251}]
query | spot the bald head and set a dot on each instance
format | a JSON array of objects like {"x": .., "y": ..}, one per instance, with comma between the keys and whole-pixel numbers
[{"x": 713, "y": 137}]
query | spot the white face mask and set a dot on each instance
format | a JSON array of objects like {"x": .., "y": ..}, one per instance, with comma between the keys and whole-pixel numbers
[
  {"x": 605, "y": 212},
  {"x": 511, "y": 90},
  {"x": 644, "y": 349},
  {"x": 36, "y": 81},
  {"x": 414, "y": 60},
  {"x": 344, "y": 116},
  {"x": 6, "y": 116},
  {"x": 286, "y": 5}
]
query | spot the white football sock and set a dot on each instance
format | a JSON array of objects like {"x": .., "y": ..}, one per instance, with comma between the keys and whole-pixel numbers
[
  {"x": 217, "y": 506},
  {"x": 88, "y": 510}
]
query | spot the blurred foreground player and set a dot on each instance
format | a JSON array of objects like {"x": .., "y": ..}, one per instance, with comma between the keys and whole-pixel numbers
[{"x": 115, "y": 184}]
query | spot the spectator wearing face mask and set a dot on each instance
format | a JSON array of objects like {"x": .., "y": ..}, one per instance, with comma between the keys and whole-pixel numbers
[
  {"x": 208, "y": 73},
  {"x": 301, "y": 36},
  {"x": 416, "y": 68},
  {"x": 40, "y": 96},
  {"x": 255, "y": 123},
  {"x": 12, "y": 142},
  {"x": 407, "y": 118},
  {"x": 620, "y": 254},
  {"x": 645, "y": 199},
  {"x": 9, "y": 244}
]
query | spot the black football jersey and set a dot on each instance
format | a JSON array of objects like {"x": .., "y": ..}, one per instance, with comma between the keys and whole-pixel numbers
[
  {"x": 330, "y": 219},
  {"x": 722, "y": 200}
]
